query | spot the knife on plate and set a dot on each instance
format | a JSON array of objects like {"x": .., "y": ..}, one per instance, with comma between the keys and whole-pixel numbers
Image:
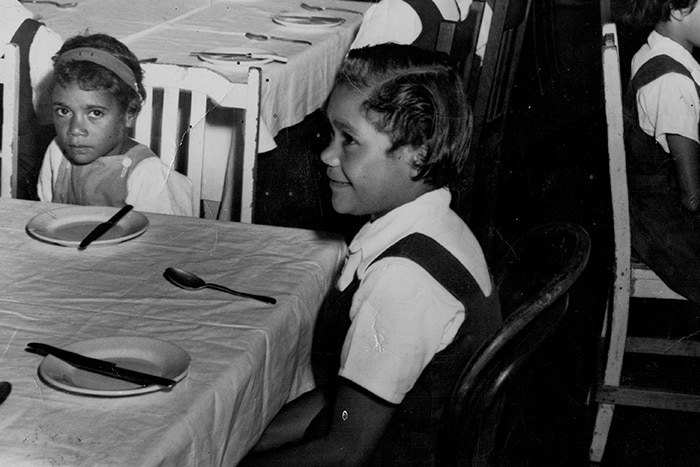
[
  {"x": 314, "y": 19},
  {"x": 102, "y": 367},
  {"x": 102, "y": 228},
  {"x": 234, "y": 55}
]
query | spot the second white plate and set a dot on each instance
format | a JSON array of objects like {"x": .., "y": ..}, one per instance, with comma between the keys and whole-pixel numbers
[
  {"x": 142, "y": 354},
  {"x": 237, "y": 61},
  {"x": 307, "y": 21}
]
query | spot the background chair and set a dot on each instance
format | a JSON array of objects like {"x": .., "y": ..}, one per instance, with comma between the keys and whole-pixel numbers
[
  {"x": 632, "y": 279},
  {"x": 533, "y": 281},
  {"x": 9, "y": 81},
  {"x": 172, "y": 123},
  {"x": 489, "y": 81}
]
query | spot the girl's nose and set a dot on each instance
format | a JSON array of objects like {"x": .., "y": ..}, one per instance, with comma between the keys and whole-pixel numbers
[
  {"x": 329, "y": 156},
  {"x": 77, "y": 128}
]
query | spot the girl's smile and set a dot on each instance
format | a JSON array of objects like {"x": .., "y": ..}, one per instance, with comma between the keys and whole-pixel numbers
[{"x": 365, "y": 177}]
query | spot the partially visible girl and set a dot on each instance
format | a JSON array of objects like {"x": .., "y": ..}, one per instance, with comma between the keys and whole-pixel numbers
[
  {"x": 96, "y": 97},
  {"x": 662, "y": 118}
]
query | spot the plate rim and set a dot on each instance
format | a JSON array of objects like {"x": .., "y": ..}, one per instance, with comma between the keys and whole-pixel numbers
[
  {"x": 78, "y": 347},
  {"x": 107, "y": 211},
  {"x": 276, "y": 19},
  {"x": 234, "y": 63}
]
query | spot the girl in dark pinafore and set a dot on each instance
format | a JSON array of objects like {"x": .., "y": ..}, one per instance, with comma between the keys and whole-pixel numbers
[
  {"x": 414, "y": 299},
  {"x": 662, "y": 117}
]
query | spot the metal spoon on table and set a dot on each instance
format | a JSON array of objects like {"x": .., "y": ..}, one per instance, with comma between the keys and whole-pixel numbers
[
  {"x": 56, "y": 4},
  {"x": 187, "y": 280},
  {"x": 308, "y": 7}
]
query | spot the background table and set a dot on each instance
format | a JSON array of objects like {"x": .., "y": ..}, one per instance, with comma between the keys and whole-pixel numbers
[
  {"x": 170, "y": 29},
  {"x": 248, "y": 358}
]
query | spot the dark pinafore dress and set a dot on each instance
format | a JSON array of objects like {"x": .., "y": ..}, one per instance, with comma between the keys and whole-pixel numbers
[
  {"x": 664, "y": 234},
  {"x": 34, "y": 138},
  {"x": 411, "y": 436},
  {"x": 430, "y": 18}
]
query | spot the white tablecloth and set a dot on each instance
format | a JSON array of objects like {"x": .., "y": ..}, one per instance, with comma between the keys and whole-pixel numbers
[
  {"x": 171, "y": 29},
  {"x": 248, "y": 358}
]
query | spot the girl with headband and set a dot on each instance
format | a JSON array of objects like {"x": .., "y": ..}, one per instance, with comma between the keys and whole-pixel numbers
[{"x": 96, "y": 95}]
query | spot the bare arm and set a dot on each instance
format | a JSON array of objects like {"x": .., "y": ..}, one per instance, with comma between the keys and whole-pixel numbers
[
  {"x": 686, "y": 154},
  {"x": 357, "y": 423}
]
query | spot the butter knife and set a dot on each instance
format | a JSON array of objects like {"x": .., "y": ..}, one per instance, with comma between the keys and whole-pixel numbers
[
  {"x": 234, "y": 55},
  {"x": 265, "y": 37},
  {"x": 5, "y": 389},
  {"x": 102, "y": 367},
  {"x": 313, "y": 19},
  {"x": 101, "y": 229}
]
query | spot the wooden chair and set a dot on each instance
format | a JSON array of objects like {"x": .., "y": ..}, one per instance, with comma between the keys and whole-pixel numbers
[
  {"x": 9, "y": 81},
  {"x": 489, "y": 83},
  {"x": 533, "y": 281},
  {"x": 172, "y": 123},
  {"x": 632, "y": 279}
]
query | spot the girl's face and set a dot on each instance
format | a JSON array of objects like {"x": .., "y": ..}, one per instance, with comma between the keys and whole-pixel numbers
[
  {"x": 691, "y": 26},
  {"x": 89, "y": 124},
  {"x": 364, "y": 178}
]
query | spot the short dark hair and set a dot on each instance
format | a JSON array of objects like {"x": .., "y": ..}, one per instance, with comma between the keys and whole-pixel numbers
[
  {"x": 646, "y": 13},
  {"x": 91, "y": 76},
  {"x": 417, "y": 98}
]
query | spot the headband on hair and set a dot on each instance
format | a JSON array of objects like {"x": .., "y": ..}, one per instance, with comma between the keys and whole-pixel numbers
[{"x": 105, "y": 59}]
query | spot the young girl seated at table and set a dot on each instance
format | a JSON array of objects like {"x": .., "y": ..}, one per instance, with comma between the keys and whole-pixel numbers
[
  {"x": 96, "y": 96},
  {"x": 662, "y": 110},
  {"x": 415, "y": 298}
]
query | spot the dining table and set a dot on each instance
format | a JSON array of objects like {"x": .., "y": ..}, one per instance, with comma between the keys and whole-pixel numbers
[
  {"x": 168, "y": 31},
  {"x": 239, "y": 359}
]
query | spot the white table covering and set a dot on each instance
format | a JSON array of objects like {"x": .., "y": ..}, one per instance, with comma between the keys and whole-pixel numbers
[
  {"x": 248, "y": 358},
  {"x": 171, "y": 29}
]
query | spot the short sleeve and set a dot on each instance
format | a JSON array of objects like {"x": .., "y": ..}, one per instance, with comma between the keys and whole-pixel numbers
[
  {"x": 49, "y": 171},
  {"x": 153, "y": 187},
  {"x": 669, "y": 105},
  {"x": 401, "y": 317},
  {"x": 388, "y": 21}
]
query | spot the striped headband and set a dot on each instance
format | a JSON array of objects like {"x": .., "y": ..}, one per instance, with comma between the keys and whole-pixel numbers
[{"x": 102, "y": 58}]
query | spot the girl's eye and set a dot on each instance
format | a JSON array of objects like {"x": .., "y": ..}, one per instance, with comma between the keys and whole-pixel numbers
[
  {"x": 96, "y": 113},
  {"x": 347, "y": 139},
  {"x": 61, "y": 112}
]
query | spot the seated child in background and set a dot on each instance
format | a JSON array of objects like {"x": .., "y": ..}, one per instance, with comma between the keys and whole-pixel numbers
[
  {"x": 36, "y": 44},
  {"x": 415, "y": 298},
  {"x": 662, "y": 115},
  {"x": 415, "y": 22},
  {"x": 96, "y": 96}
]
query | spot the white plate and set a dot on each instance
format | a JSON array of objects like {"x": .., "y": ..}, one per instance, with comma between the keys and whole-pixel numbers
[
  {"x": 142, "y": 354},
  {"x": 236, "y": 62},
  {"x": 307, "y": 21},
  {"x": 68, "y": 226}
]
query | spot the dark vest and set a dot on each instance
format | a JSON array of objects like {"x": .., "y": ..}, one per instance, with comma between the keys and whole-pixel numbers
[
  {"x": 650, "y": 169},
  {"x": 430, "y": 18},
  {"x": 411, "y": 436},
  {"x": 33, "y": 137}
]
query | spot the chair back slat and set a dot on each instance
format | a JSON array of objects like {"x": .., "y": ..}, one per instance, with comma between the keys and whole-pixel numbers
[
  {"x": 173, "y": 122},
  {"x": 9, "y": 81},
  {"x": 506, "y": 31},
  {"x": 612, "y": 93}
]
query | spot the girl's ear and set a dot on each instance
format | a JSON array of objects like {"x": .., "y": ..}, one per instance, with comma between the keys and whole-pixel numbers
[
  {"x": 130, "y": 119},
  {"x": 414, "y": 156},
  {"x": 680, "y": 13}
]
